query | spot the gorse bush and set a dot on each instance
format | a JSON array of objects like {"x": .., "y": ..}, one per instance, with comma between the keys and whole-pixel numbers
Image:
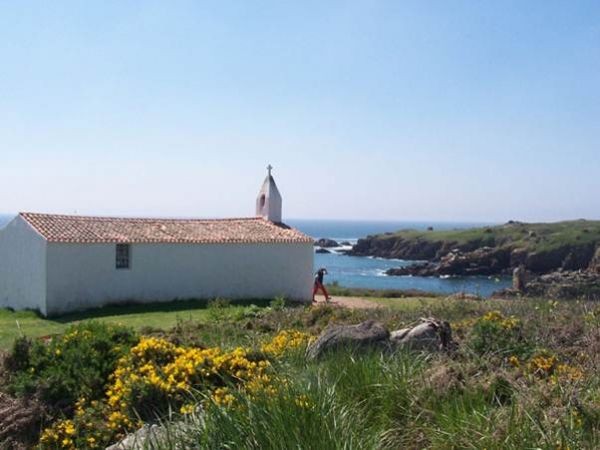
[
  {"x": 157, "y": 376},
  {"x": 520, "y": 377},
  {"x": 76, "y": 364},
  {"x": 495, "y": 333}
]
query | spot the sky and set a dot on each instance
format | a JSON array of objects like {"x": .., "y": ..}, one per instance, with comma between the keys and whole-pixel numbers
[{"x": 368, "y": 110}]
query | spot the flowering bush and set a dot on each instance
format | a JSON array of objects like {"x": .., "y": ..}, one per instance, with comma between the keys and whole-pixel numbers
[
  {"x": 545, "y": 365},
  {"x": 156, "y": 375},
  {"x": 73, "y": 365},
  {"x": 285, "y": 341},
  {"x": 496, "y": 333}
]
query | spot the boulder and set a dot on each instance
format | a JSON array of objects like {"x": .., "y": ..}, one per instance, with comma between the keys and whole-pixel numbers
[
  {"x": 322, "y": 250},
  {"x": 430, "y": 335},
  {"x": 149, "y": 436},
  {"x": 326, "y": 243},
  {"x": 152, "y": 436},
  {"x": 518, "y": 279},
  {"x": 365, "y": 334}
]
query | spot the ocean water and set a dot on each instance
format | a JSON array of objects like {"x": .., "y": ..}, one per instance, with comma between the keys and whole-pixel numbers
[{"x": 366, "y": 272}]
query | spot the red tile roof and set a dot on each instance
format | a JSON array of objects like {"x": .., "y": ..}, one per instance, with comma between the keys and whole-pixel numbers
[{"x": 80, "y": 229}]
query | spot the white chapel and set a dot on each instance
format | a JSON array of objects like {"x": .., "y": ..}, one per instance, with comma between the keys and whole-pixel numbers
[{"x": 59, "y": 263}]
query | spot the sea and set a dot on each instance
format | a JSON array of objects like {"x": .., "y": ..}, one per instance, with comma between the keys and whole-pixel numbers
[{"x": 369, "y": 272}]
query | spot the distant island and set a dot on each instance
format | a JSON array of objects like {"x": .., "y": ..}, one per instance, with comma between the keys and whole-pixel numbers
[{"x": 566, "y": 253}]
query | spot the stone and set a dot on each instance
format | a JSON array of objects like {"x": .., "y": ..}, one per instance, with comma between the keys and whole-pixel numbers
[
  {"x": 149, "y": 436},
  {"x": 326, "y": 243},
  {"x": 518, "y": 280},
  {"x": 429, "y": 335},
  {"x": 366, "y": 334},
  {"x": 322, "y": 250}
]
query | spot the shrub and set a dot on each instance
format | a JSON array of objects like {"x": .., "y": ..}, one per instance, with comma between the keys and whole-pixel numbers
[
  {"x": 498, "y": 334},
  {"x": 278, "y": 303},
  {"x": 66, "y": 368}
]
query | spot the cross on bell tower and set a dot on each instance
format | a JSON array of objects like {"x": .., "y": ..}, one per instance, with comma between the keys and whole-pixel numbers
[{"x": 268, "y": 202}]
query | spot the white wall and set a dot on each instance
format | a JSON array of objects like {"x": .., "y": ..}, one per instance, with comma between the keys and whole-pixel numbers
[
  {"x": 22, "y": 267},
  {"x": 82, "y": 276}
]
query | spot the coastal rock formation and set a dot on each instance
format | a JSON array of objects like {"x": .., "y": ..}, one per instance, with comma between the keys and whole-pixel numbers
[
  {"x": 539, "y": 248},
  {"x": 561, "y": 284},
  {"x": 484, "y": 261},
  {"x": 326, "y": 243},
  {"x": 595, "y": 262},
  {"x": 322, "y": 250}
]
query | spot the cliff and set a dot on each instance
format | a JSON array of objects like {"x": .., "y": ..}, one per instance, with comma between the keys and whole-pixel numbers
[{"x": 539, "y": 247}]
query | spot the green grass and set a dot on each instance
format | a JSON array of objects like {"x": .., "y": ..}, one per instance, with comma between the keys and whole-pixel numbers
[
  {"x": 159, "y": 315},
  {"x": 532, "y": 236},
  {"x": 473, "y": 397}
]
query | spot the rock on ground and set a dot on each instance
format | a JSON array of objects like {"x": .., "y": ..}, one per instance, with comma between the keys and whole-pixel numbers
[
  {"x": 430, "y": 335},
  {"x": 365, "y": 334}
]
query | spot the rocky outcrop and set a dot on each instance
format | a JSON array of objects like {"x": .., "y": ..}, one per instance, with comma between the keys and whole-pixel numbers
[
  {"x": 390, "y": 247},
  {"x": 539, "y": 248},
  {"x": 428, "y": 335},
  {"x": 322, "y": 250},
  {"x": 483, "y": 261},
  {"x": 567, "y": 285},
  {"x": 326, "y": 243},
  {"x": 594, "y": 266},
  {"x": 502, "y": 261}
]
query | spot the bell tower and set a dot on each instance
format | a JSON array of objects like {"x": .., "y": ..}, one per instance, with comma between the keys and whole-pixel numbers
[{"x": 268, "y": 202}]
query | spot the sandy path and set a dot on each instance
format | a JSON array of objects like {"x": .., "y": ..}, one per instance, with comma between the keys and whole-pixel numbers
[{"x": 350, "y": 302}]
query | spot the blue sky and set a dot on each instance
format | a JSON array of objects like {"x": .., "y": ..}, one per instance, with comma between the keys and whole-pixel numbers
[{"x": 404, "y": 110}]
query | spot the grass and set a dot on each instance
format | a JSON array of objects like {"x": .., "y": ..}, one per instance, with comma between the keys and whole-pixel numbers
[
  {"x": 158, "y": 315},
  {"x": 492, "y": 396},
  {"x": 531, "y": 236}
]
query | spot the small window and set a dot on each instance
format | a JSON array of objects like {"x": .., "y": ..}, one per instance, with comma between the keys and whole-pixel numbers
[
  {"x": 263, "y": 200},
  {"x": 123, "y": 256}
]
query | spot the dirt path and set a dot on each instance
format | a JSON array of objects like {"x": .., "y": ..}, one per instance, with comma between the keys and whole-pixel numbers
[{"x": 350, "y": 302}]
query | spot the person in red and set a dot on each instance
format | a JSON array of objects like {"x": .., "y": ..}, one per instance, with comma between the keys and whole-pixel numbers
[{"x": 319, "y": 284}]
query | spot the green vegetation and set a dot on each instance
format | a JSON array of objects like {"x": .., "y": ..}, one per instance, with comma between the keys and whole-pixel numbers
[
  {"x": 524, "y": 375},
  {"x": 535, "y": 237},
  {"x": 158, "y": 315}
]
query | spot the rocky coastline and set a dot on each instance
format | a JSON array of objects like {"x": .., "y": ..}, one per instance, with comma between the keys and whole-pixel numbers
[{"x": 561, "y": 260}]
